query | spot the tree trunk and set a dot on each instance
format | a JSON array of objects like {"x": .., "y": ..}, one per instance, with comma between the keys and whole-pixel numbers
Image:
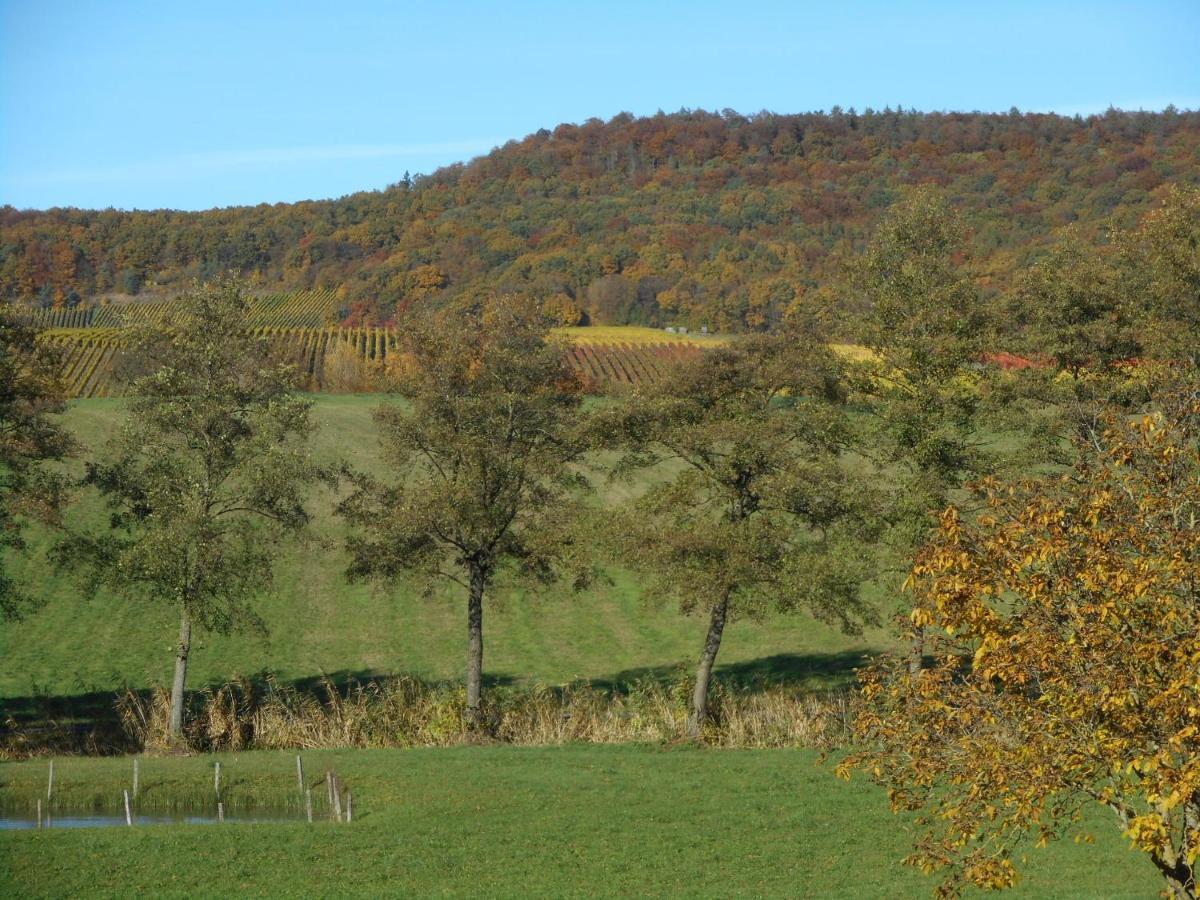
[
  {"x": 1181, "y": 881},
  {"x": 712, "y": 643},
  {"x": 181, "y": 661},
  {"x": 916, "y": 653},
  {"x": 475, "y": 646},
  {"x": 1174, "y": 868}
]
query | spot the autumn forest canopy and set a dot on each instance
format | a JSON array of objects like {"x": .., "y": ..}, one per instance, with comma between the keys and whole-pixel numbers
[{"x": 692, "y": 218}]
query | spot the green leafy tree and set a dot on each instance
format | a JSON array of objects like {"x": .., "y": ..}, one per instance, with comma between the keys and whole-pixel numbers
[
  {"x": 207, "y": 475},
  {"x": 1162, "y": 259},
  {"x": 928, "y": 396},
  {"x": 1078, "y": 309},
  {"x": 1077, "y": 314},
  {"x": 763, "y": 515},
  {"x": 480, "y": 452},
  {"x": 30, "y": 393}
]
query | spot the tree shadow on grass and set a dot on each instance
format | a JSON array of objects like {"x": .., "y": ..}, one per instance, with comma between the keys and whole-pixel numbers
[
  {"x": 89, "y": 721},
  {"x": 813, "y": 671},
  {"x": 88, "y": 709}
]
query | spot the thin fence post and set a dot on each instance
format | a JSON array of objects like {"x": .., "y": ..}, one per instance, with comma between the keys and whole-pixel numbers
[
  {"x": 329, "y": 786},
  {"x": 135, "y": 777},
  {"x": 50, "y": 783},
  {"x": 39, "y": 812},
  {"x": 337, "y": 800},
  {"x": 308, "y": 804},
  {"x": 349, "y": 806},
  {"x": 300, "y": 772},
  {"x": 220, "y": 812},
  {"x": 217, "y": 780},
  {"x": 128, "y": 812}
]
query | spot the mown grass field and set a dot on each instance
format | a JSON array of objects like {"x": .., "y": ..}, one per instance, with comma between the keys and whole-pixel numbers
[
  {"x": 513, "y": 822},
  {"x": 320, "y": 624},
  {"x": 479, "y": 821}
]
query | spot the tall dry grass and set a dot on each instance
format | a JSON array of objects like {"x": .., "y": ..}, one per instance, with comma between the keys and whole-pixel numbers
[{"x": 407, "y": 712}]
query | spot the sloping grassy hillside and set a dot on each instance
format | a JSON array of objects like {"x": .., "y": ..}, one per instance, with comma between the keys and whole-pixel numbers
[{"x": 320, "y": 624}]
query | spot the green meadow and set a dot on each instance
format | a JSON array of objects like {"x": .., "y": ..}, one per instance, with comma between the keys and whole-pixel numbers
[
  {"x": 319, "y": 624},
  {"x": 620, "y": 821},
  {"x": 577, "y": 820}
]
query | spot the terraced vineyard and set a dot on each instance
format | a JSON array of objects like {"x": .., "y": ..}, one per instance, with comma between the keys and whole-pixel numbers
[
  {"x": 350, "y": 360},
  {"x": 304, "y": 309},
  {"x": 301, "y": 327},
  {"x": 637, "y": 334},
  {"x": 603, "y": 366},
  {"x": 87, "y": 356},
  {"x": 79, "y": 317},
  {"x": 307, "y": 309}
]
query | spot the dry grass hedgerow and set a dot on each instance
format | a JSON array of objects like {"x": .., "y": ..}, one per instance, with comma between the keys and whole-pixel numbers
[{"x": 407, "y": 712}]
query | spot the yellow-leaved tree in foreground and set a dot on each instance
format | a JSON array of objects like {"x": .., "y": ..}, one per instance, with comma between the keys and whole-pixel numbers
[{"x": 1064, "y": 669}]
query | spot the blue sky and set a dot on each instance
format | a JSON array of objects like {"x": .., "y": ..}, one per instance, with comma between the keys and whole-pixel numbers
[{"x": 201, "y": 104}]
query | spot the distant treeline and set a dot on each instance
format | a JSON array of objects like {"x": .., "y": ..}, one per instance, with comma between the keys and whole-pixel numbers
[{"x": 693, "y": 217}]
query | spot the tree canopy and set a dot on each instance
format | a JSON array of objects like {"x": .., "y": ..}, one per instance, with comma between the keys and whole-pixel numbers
[
  {"x": 1064, "y": 628},
  {"x": 30, "y": 393},
  {"x": 480, "y": 452},
  {"x": 762, "y": 514},
  {"x": 208, "y": 473}
]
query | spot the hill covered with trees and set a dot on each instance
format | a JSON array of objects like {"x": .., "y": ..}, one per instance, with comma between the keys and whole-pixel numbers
[{"x": 695, "y": 218}]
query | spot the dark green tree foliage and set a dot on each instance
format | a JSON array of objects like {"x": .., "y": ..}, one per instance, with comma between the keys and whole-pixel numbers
[
  {"x": 207, "y": 475},
  {"x": 1079, "y": 313},
  {"x": 1078, "y": 310},
  {"x": 1104, "y": 318},
  {"x": 763, "y": 515},
  {"x": 29, "y": 438},
  {"x": 480, "y": 453},
  {"x": 936, "y": 413},
  {"x": 1162, "y": 260},
  {"x": 926, "y": 329}
]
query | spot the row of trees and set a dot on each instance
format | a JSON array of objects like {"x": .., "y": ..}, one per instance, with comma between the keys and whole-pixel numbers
[{"x": 1053, "y": 622}]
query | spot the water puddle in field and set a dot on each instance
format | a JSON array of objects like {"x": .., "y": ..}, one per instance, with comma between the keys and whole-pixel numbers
[{"x": 22, "y": 821}]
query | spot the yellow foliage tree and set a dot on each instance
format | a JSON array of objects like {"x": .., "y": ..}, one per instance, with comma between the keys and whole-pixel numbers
[
  {"x": 1064, "y": 629},
  {"x": 562, "y": 310}
]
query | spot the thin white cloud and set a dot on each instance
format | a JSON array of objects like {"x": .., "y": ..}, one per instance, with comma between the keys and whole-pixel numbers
[{"x": 193, "y": 164}]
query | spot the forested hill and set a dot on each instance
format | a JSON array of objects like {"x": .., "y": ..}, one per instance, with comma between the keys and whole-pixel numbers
[{"x": 694, "y": 217}]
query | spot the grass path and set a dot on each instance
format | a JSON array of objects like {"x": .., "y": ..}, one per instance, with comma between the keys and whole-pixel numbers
[{"x": 515, "y": 822}]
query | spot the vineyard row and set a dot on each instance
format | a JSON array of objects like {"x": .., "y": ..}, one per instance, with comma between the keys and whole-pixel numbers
[
  {"x": 349, "y": 360},
  {"x": 304, "y": 309}
]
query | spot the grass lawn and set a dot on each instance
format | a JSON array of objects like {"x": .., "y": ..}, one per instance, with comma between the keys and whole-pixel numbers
[
  {"x": 320, "y": 624},
  {"x": 511, "y": 822}
]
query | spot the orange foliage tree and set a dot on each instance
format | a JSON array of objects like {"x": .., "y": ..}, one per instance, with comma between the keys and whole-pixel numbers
[{"x": 1064, "y": 625}]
